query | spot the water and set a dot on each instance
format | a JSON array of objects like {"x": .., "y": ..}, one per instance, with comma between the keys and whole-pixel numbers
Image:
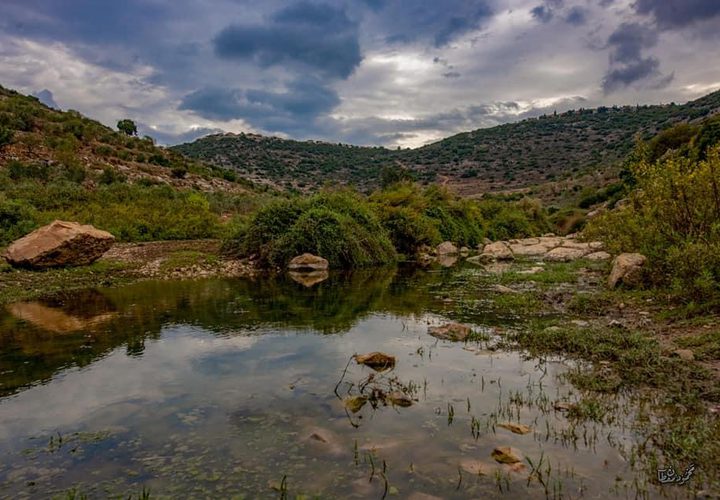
[{"x": 235, "y": 388}]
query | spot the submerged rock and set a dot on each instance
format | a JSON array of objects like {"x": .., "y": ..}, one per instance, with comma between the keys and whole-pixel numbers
[
  {"x": 627, "y": 269},
  {"x": 506, "y": 455},
  {"x": 450, "y": 331},
  {"x": 515, "y": 428},
  {"x": 355, "y": 403},
  {"x": 376, "y": 360},
  {"x": 399, "y": 398},
  {"x": 59, "y": 244},
  {"x": 308, "y": 262}
]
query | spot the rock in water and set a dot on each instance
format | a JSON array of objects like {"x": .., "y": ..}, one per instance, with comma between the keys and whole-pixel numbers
[
  {"x": 59, "y": 244},
  {"x": 308, "y": 262},
  {"x": 447, "y": 248},
  {"x": 506, "y": 455},
  {"x": 499, "y": 250},
  {"x": 627, "y": 269},
  {"x": 515, "y": 428},
  {"x": 450, "y": 331},
  {"x": 309, "y": 279},
  {"x": 376, "y": 360}
]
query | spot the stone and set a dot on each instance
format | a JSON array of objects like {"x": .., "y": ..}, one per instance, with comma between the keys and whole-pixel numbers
[
  {"x": 480, "y": 260},
  {"x": 506, "y": 455},
  {"x": 378, "y": 361},
  {"x": 355, "y": 403},
  {"x": 598, "y": 256},
  {"x": 308, "y": 262},
  {"x": 450, "y": 331},
  {"x": 447, "y": 260},
  {"x": 563, "y": 405},
  {"x": 565, "y": 254},
  {"x": 499, "y": 250},
  {"x": 515, "y": 428},
  {"x": 627, "y": 270},
  {"x": 502, "y": 289},
  {"x": 685, "y": 354},
  {"x": 536, "y": 250},
  {"x": 446, "y": 248},
  {"x": 464, "y": 251},
  {"x": 399, "y": 398},
  {"x": 487, "y": 241},
  {"x": 59, "y": 244},
  {"x": 529, "y": 241},
  {"x": 477, "y": 467}
]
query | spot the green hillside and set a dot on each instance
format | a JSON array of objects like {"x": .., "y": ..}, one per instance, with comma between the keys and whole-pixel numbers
[{"x": 511, "y": 156}]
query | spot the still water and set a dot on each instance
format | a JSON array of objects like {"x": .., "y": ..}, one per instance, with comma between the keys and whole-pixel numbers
[{"x": 238, "y": 389}]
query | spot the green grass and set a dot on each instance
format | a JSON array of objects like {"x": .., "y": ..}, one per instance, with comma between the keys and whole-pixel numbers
[{"x": 705, "y": 346}]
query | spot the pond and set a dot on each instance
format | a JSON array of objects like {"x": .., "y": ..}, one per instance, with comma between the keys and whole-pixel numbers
[{"x": 248, "y": 389}]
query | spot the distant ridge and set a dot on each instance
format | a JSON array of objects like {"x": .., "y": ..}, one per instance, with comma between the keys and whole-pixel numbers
[{"x": 505, "y": 157}]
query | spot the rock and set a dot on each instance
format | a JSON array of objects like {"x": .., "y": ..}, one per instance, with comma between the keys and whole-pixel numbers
[
  {"x": 480, "y": 260},
  {"x": 464, "y": 251},
  {"x": 399, "y": 398},
  {"x": 565, "y": 254},
  {"x": 529, "y": 250},
  {"x": 446, "y": 248},
  {"x": 627, "y": 270},
  {"x": 581, "y": 323},
  {"x": 529, "y": 241},
  {"x": 506, "y": 455},
  {"x": 548, "y": 235},
  {"x": 498, "y": 250},
  {"x": 502, "y": 289},
  {"x": 308, "y": 262},
  {"x": 378, "y": 361},
  {"x": 487, "y": 241},
  {"x": 598, "y": 256},
  {"x": 596, "y": 245},
  {"x": 577, "y": 244},
  {"x": 355, "y": 403},
  {"x": 325, "y": 440},
  {"x": 685, "y": 354},
  {"x": 515, "y": 428},
  {"x": 450, "y": 331},
  {"x": 563, "y": 405},
  {"x": 551, "y": 241},
  {"x": 56, "y": 320},
  {"x": 309, "y": 279},
  {"x": 59, "y": 244},
  {"x": 532, "y": 270}
]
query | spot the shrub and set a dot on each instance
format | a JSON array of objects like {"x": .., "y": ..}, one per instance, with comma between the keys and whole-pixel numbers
[
  {"x": 339, "y": 226},
  {"x": 111, "y": 176},
  {"x": 6, "y": 137},
  {"x": 674, "y": 219}
]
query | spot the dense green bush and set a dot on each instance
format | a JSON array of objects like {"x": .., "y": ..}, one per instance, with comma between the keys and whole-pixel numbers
[
  {"x": 505, "y": 220},
  {"x": 674, "y": 219},
  {"x": 339, "y": 226}
]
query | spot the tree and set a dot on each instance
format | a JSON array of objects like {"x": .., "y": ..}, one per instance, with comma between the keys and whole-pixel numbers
[
  {"x": 127, "y": 127},
  {"x": 6, "y": 136}
]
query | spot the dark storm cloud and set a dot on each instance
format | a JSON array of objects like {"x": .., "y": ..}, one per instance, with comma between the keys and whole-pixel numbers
[
  {"x": 678, "y": 13},
  {"x": 576, "y": 16},
  {"x": 170, "y": 139},
  {"x": 439, "y": 23},
  {"x": 628, "y": 65},
  {"x": 291, "y": 110},
  {"x": 318, "y": 36},
  {"x": 542, "y": 13}
]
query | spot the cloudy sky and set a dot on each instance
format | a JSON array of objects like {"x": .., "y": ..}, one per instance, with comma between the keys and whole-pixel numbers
[{"x": 375, "y": 72}]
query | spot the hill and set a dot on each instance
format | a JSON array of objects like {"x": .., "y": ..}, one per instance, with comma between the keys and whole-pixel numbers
[
  {"x": 507, "y": 157},
  {"x": 62, "y": 165},
  {"x": 48, "y": 139}
]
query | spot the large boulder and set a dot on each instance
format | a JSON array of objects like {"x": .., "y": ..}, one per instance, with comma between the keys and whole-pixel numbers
[
  {"x": 499, "y": 250},
  {"x": 447, "y": 248},
  {"x": 308, "y": 262},
  {"x": 627, "y": 269},
  {"x": 59, "y": 244},
  {"x": 565, "y": 254}
]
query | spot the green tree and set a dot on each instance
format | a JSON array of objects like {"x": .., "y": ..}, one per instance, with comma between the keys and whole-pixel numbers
[
  {"x": 127, "y": 127},
  {"x": 6, "y": 136}
]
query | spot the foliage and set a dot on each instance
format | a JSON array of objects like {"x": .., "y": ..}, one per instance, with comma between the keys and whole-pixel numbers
[
  {"x": 674, "y": 219},
  {"x": 127, "y": 127},
  {"x": 505, "y": 220},
  {"x": 6, "y": 136},
  {"x": 339, "y": 226}
]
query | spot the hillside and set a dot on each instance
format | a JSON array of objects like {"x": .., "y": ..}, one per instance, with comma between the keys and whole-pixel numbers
[
  {"x": 507, "y": 157},
  {"x": 51, "y": 141}
]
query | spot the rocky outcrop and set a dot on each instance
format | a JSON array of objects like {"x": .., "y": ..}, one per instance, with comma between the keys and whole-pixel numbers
[
  {"x": 447, "y": 248},
  {"x": 627, "y": 269},
  {"x": 548, "y": 247},
  {"x": 59, "y": 244},
  {"x": 308, "y": 262}
]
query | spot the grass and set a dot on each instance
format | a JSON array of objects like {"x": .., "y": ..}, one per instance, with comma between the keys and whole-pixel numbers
[{"x": 705, "y": 346}]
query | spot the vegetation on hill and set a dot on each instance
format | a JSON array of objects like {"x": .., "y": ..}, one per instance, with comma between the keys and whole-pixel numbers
[
  {"x": 56, "y": 164},
  {"x": 673, "y": 214},
  {"x": 511, "y": 156}
]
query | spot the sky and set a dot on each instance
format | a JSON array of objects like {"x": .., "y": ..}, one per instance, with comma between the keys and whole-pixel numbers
[{"x": 367, "y": 72}]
